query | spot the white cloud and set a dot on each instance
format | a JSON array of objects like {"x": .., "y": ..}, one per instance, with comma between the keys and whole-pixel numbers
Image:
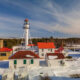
[
  {"x": 11, "y": 26},
  {"x": 67, "y": 22}
]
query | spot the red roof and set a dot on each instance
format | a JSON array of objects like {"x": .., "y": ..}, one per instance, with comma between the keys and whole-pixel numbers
[
  {"x": 26, "y": 20},
  {"x": 59, "y": 50},
  {"x": 59, "y": 55},
  {"x": 46, "y": 45},
  {"x": 5, "y": 49},
  {"x": 24, "y": 55},
  {"x": 31, "y": 44}
]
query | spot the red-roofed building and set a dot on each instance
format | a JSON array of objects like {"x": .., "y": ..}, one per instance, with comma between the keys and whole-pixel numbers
[
  {"x": 59, "y": 50},
  {"x": 45, "y": 47},
  {"x": 5, "y": 49},
  {"x": 55, "y": 56},
  {"x": 5, "y": 53},
  {"x": 55, "y": 59},
  {"x": 23, "y": 59}
]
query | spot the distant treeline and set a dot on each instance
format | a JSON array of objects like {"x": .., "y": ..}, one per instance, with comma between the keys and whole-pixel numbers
[{"x": 57, "y": 41}]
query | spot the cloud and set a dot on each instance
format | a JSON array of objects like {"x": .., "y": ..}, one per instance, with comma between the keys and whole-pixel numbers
[
  {"x": 66, "y": 22},
  {"x": 50, "y": 17},
  {"x": 10, "y": 26}
]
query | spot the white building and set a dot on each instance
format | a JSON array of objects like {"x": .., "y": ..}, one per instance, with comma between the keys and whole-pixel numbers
[
  {"x": 45, "y": 47},
  {"x": 55, "y": 59},
  {"x": 23, "y": 59}
]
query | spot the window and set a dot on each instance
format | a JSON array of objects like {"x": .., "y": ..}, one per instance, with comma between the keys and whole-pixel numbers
[
  {"x": 42, "y": 50},
  {"x": 62, "y": 62},
  {"x": 48, "y": 49},
  {"x": 32, "y": 61},
  {"x": 3, "y": 54},
  {"x": 42, "y": 54},
  {"x": 15, "y": 61},
  {"x": 24, "y": 61},
  {"x": 51, "y": 50}
]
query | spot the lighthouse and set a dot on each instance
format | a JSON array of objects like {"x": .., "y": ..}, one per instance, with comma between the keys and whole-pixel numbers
[{"x": 26, "y": 30}]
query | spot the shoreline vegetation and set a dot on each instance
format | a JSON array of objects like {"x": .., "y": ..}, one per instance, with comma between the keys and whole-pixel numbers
[
  {"x": 75, "y": 76},
  {"x": 57, "y": 41}
]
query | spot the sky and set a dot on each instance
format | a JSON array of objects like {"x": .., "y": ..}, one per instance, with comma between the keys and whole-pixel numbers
[{"x": 57, "y": 18}]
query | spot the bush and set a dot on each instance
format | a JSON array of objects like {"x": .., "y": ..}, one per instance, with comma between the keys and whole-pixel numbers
[{"x": 69, "y": 57}]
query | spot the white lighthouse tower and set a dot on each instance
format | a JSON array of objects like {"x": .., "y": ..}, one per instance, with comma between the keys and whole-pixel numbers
[{"x": 26, "y": 28}]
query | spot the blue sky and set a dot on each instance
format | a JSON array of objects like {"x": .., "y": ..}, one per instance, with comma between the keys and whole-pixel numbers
[{"x": 57, "y": 18}]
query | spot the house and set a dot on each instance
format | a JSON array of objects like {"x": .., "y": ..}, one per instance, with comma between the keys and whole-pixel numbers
[
  {"x": 5, "y": 53},
  {"x": 30, "y": 47},
  {"x": 45, "y": 47},
  {"x": 55, "y": 59},
  {"x": 23, "y": 59}
]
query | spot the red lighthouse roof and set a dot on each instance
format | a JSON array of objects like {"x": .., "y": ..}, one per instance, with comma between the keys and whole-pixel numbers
[{"x": 26, "y": 20}]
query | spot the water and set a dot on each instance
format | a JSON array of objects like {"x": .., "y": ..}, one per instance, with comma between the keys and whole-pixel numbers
[
  {"x": 74, "y": 55},
  {"x": 63, "y": 78},
  {"x": 4, "y": 64},
  {"x": 0, "y": 77}
]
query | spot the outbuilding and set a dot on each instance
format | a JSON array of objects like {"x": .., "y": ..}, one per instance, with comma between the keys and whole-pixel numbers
[{"x": 55, "y": 59}]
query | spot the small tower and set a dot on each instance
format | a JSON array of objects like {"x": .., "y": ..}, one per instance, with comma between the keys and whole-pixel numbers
[{"x": 26, "y": 28}]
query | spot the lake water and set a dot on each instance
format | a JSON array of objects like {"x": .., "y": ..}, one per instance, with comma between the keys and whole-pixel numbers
[
  {"x": 0, "y": 77},
  {"x": 4, "y": 64}
]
